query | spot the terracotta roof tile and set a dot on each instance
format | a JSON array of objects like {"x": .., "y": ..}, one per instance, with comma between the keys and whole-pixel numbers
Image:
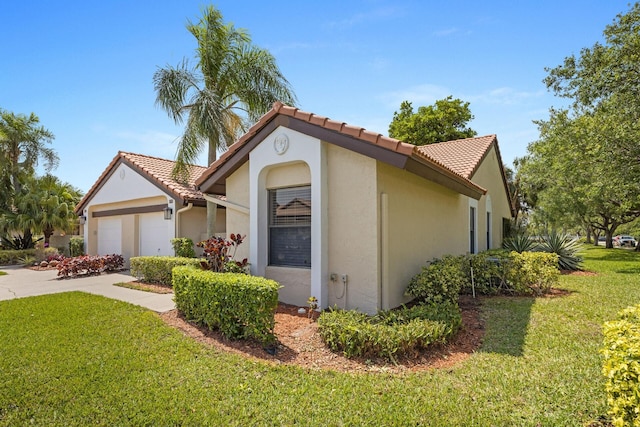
[
  {"x": 157, "y": 170},
  {"x": 462, "y": 156},
  {"x": 457, "y": 162}
]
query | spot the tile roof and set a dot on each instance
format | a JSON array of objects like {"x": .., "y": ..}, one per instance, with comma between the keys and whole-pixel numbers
[
  {"x": 463, "y": 156},
  {"x": 156, "y": 170},
  {"x": 440, "y": 162}
]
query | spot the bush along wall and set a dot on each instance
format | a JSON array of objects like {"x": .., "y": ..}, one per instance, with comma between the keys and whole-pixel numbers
[
  {"x": 486, "y": 273},
  {"x": 621, "y": 367},
  {"x": 390, "y": 333},
  {"x": 238, "y": 305},
  {"x": 157, "y": 269}
]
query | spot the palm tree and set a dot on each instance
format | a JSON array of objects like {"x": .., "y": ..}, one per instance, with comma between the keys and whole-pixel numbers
[
  {"x": 22, "y": 144},
  {"x": 46, "y": 204},
  {"x": 231, "y": 86}
]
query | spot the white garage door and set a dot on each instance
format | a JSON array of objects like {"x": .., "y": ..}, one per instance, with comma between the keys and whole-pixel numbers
[
  {"x": 109, "y": 236},
  {"x": 154, "y": 235}
]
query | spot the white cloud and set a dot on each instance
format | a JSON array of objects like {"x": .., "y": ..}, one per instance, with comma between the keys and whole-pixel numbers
[
  {"x": 425, "y": 94},
  {"x": 364, "y": 17},
  {"x": 446, "y": 32},
  {"x": 504, "y": 96}
]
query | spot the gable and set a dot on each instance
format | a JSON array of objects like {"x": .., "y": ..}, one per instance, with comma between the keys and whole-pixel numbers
[{"x": 125, "y": 183}]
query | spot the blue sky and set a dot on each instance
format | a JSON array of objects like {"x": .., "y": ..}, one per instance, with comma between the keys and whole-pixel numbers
[{"x": 85, "y": 68}]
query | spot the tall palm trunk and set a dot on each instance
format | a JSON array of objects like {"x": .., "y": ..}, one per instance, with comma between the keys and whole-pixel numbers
[{"x": 212, "y": 208}]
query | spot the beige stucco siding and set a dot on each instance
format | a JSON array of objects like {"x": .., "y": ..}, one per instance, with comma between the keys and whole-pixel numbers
[
  {"x": 488, "y": 176},
  {"x": 421, "y": 220},
  {"x": 353, "y": 229},
  {"x": 193, "y": 224},
  {"x": 238, "y": 194}
]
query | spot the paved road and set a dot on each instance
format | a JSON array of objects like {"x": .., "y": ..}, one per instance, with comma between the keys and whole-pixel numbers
[{"x": 21, "y": 282}]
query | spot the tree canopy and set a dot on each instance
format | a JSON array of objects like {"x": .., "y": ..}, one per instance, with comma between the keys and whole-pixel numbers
[
  {"x": 584, "y": 168},
  {"x": 232, "y": 84},
  {"x": 446, "y": 120}
]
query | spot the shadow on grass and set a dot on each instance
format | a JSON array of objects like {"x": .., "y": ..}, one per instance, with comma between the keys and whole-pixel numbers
[{"x": 506, "y": 323}]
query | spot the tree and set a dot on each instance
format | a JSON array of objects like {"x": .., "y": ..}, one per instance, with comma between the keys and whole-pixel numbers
[
  {"x": 23, "y": 143},
  {"x": 232, "y": 85},
  {"x": 572, "y": 180},
  {"x": 595, "y": 143},
  {"x": 44, "y": 205},
  {"x": 446, "y": 120}
]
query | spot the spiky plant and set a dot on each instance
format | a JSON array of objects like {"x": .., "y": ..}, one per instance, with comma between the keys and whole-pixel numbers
[
  {"x": 519, "y": 243},
  {"x": 566, "y": 247}
]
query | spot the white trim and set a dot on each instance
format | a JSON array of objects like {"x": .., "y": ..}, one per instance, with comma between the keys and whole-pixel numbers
[
  {"x": 301, "y": 148},
  {"x": 227, "y": 204}
]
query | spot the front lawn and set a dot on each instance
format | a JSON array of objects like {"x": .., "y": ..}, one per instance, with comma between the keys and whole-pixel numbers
[{"x": 79, "y": 359}]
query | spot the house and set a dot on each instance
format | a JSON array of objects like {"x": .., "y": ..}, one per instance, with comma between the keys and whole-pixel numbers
[
  {"x": 135, "y": 208},
  {"x": 349, "y": 216}
]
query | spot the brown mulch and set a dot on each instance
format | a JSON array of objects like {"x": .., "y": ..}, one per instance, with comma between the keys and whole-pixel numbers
[{"x": 299, "y": 343}]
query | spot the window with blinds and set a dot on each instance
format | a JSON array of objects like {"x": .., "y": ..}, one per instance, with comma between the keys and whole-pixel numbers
[{"x": 290, "y": 227}]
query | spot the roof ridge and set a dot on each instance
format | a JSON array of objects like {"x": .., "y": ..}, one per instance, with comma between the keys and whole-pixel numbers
[{"x": 126, "y": 153}]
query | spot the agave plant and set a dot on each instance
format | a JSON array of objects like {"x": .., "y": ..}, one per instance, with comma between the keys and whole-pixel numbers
[
  {"x": 566, "y": 247},
  {"x": 519, "y": 243}
]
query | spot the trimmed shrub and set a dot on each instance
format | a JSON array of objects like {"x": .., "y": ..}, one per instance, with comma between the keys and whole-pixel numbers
[
  {"x": 621, "y": 367},
  {"x": 13, "y": 256},
  {"x": 76, "y": 246},
  {"x": 157, "y": 269},
  {"x": 532, "y": 272},
  {"x": 183, "y": 247},
  {"x": 85, "y": 265},
  {"x": 390, "y": 333},
  {"x": 238, "y": 305},
  {"x": 440, "y": 281},
  {"x": 488, "y": 274}
]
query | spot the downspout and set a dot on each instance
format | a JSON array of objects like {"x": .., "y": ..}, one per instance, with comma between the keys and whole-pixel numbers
[{"x": 178, "y": 214}]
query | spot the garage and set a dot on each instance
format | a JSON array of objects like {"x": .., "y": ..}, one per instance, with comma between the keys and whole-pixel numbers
[
  {"x": 109, "y": 236},
  {"x": 135, "y": 208},
  {"x": 154, "y": 235}
]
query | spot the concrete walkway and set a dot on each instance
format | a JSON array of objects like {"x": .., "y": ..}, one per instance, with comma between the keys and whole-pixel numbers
[{"x": 21, "y": 282}]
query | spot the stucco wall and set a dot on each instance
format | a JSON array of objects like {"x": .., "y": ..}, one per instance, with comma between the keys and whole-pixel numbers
[
  {"x": 353, "y": 229},
  {"x": 488, "y": 176},
  {"x": 193, "y": 224},
  {"x": 238, "y": 194},
  {"x": 421, "y": 220}
]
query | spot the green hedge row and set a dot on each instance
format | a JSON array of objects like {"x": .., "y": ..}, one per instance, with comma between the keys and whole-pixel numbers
[
  {"x": 157, "y": 269},
  {"x": 238, "y": 305},
  {"x": 390, "y": 333},
  {"x": 493, "y": 272},
  {"x": 8, "y": 257},
  {"x": 621, "y": 367}
]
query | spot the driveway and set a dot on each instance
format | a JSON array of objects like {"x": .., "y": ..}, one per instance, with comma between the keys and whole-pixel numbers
[{"x": 21, "y": 282}]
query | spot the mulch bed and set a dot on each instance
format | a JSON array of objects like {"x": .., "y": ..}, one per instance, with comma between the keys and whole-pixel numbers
[{"x": 299, "y": 343}]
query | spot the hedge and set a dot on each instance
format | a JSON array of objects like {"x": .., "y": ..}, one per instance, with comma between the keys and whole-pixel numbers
[
  {"x": 621, "y": 367},
  {"x": 11, "y": 256},
  {"x": 157, "y": 269},
  {"x": 494, "y": 272},
  {"x": 238, "y": 305},
  {"x": 404, "y": 331}
]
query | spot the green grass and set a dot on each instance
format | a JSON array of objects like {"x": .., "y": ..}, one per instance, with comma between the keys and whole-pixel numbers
[
  {"x": 2, "y": 273},
  {"x": 138, "y": 287},
  {"x": 78, "y": 359}
]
